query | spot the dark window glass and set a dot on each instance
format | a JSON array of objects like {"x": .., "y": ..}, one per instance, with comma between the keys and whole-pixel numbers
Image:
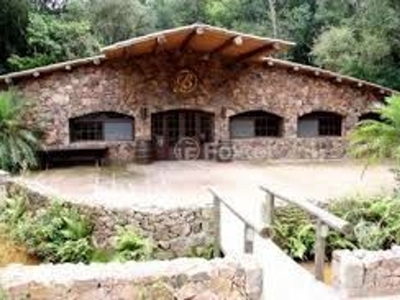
[
  {"x": 330, "y": 125},
  {"x": 255, "y": 124},
  {"x": 319, "y": 124},
  {"x": 102, "y": 127}
]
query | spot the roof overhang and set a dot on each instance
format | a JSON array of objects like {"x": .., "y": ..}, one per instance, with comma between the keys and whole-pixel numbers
[
  {"x": 318, "y": 72},
  {"x": 200, "y": 38}
]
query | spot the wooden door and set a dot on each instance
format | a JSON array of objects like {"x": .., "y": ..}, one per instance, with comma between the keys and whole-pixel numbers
[{"x": 176, "y": 129}]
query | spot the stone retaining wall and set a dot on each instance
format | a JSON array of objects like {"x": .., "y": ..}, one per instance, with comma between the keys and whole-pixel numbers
[
  {"x": 179, "y": 279},
  {"x": 176, "y": 232},
  {"x": 362, "y": 273}
]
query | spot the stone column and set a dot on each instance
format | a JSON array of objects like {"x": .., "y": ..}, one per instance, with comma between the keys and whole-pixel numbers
[
  {"x": 348, "y": 123},
  {"x": 143, "y": 125},
  {"x": 290, "y": 127},
  {"x": 221, "y": 128},
  {"x": 143, "y": 145}
]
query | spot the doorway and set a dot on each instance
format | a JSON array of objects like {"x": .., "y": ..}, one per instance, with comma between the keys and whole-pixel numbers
[{"x": 173, "y": 131}]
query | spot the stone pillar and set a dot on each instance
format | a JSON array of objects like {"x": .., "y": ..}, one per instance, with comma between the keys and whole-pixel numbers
[
  {"x": 143, "y": 144},
  {"x": 221, "y": 128},
  {"x": 290, "y": 126},
  {"x": 143, "y": 125},
  {"x": 348, "y": 123}
]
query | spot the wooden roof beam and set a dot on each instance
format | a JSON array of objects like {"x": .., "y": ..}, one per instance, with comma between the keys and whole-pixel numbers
[
  {"x": 256, "y": 52},
  {"x": 160, "y": 41},
  {"x": 235, "y": 40},
  {"x": 186, "y": 42}
]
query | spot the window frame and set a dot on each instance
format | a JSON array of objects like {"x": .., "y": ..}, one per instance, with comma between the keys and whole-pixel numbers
[
  {"x": 100, "y": 120},
  {"x": 264, "y": 124},
  {"x": 328, "y": 124}
]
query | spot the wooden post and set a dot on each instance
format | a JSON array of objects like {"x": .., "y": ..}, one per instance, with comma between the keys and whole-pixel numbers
[
  {"x": 269, "y": 209},
  {"x": 320, "y": 244},
  {"x": 248, "y": 239},
  {"x": 217, "y": 225}
]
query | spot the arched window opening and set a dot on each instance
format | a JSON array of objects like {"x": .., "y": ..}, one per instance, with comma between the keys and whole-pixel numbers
[
  {"x": 370, "y": 116},
  {"x": 320, "y": 124},
  {"x": 102, "y": 126},
  {"x": 255, "y": 124}
]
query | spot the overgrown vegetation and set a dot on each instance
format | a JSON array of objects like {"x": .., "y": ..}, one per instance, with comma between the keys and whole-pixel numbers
[
  {"x": 18, "y": 140},
  {"x": 376, "y": 223},
  {"x": 357, "y": 37},
  {"x": 60, "y": 234},
  {"x": 376, "y": 140}
]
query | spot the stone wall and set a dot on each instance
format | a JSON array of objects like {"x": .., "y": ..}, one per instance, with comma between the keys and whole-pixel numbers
[
  {"x": 179, "y": 279},
  {"x": 126, "y": 86},
  {"x": 362, "y": 273},
  {"x": 176, "y": 232},
  {"x": 289, "y": 148}
]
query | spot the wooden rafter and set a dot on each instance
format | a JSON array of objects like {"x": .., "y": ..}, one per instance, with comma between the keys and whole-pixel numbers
[
  {"x": 256, "y": 52},
  {"x": 189, "y": 37},
  {"x": 235, "y": 40},
  {"x": 160, "y": 41}
]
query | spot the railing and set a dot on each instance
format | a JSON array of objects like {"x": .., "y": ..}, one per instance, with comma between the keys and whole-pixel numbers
[
  {"x": 324, "y": 221},
  {"x": 249, "y": 227}
]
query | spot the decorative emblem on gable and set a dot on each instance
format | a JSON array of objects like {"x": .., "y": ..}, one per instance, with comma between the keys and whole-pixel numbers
[{"x": 185, "y": 82}]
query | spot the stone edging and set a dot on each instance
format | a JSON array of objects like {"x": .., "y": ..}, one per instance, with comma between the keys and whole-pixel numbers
[
  {"x": 183, "y": 278},
  {"x": 362, "y": 273}
]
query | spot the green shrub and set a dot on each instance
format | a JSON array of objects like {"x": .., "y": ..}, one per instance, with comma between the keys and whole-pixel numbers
[
  {"x": 376, "y": 222},
  {"x": 18, "y": 140},
  {"x": 55, "y": 234},
  {"x": 129, "y": 245}
]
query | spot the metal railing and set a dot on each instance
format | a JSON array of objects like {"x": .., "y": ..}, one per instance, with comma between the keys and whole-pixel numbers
[
  {"x": 249, "y": 227},
  {"x": 324, "y": 221}
]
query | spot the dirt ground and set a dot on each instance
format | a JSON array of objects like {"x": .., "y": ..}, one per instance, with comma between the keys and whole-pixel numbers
[{"x": 181, "y": 183}]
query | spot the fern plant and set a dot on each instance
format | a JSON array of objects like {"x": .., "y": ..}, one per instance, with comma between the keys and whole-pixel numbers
[
  {"x": 129, "y": 245},
  {"x": 375, "y": 140},
  {"x": 18, "y": 142}
]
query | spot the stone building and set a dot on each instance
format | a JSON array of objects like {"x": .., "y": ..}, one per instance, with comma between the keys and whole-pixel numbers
[{"x": 196, "y": 87}]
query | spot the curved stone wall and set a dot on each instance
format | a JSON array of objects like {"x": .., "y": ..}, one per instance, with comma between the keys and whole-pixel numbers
[
  {"x": 147, "y": 82},
  {"x": 176, "y": 232}
]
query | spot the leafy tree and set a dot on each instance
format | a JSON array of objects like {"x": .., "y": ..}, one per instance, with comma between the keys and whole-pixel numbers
[
  {"x": 365, "y": 45},
  {"x": 375, "y": 139},
  {"x": 18, "y": 142},
  {"x": 116, "y": 20},
  {"x": 13, "y": 25},
  {"x": 52, "y": 39}
]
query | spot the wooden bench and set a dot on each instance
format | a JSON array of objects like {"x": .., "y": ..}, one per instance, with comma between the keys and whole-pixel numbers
[{"x": 72, "y": 154}]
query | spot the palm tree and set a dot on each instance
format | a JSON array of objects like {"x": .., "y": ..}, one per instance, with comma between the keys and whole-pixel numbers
[
  {"x": 376, "y": 140},
  {"x": 18, "y": 142}
]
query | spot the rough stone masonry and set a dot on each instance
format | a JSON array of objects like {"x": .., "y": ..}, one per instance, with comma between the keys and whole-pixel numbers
[
  {"x": 362, "y": 273},
  {"x": 176, "y": 232},
  {"x": 128, "y": 85},
  {"x": 179, "y": 279}
]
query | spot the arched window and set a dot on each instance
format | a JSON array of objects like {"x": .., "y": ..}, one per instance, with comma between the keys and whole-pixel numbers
[
  {"x": 255, "y": 124},
  {"x": 370, "y": 116},
  {"x": 102, "y": 126},
  {"x": 319, "y": 123}
]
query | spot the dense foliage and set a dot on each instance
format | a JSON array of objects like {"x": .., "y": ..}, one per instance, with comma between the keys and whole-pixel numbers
[
  {"x": 60, "y": 234},
  {"x": 18, "y": 141},
  {"x": 379, "y": 139},
  {"x": 357, "y": 37},
  {"x": 376, "y": 222}
]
